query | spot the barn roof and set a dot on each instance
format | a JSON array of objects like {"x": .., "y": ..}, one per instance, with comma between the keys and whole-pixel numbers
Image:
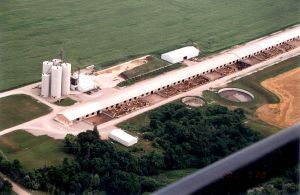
[
  {"x": 122, "y": 137},
  {"x": 164, "y": 80},
  {"x": 182, "y": 51},
  {"x": 244, "y": 51},
  {"x": 277, "y": 38}
]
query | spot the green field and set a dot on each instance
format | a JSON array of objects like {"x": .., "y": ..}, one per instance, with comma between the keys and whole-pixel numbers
[
  {"x": 261, "y": 95},
  {"x": 169, "y": 177},
  {"x": 33, "y": 152},
  {"x": 17, "y": 109},
  {"x": 103, "y": 32},
  {"x": 65, "y": 102},
  {"x": 152, "y": 65}
]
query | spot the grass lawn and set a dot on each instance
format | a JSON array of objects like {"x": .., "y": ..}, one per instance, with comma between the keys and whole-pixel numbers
[
  {"x": 261, "y": 95},
  {"x": 169, "y": 177},
  {"x": 17, "y": 109},
  {"x": 104, "y": 32},
  {"x": 65, "y": 102},
  {"x": 134, "y": 124},
  {"x": 33, "y": 152},
  {"x": 152, "y": 65},
  {"x": 133, "y": 127},
  {"x": 150, "y": 74}
]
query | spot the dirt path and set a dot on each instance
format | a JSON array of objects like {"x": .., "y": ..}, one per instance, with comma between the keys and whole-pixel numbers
[
  {"x": 287, "y": 87},
  {"x": 46, "y": 125},
  {"x": 16, "y": 188}
]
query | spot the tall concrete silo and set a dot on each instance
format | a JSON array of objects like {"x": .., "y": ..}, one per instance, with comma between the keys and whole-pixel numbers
[
  {"x": 66, "y": 76},
  {"x": 56, "y": 74},
  {"x": 45, "y": 85},
  {"x": 47, "y": 67},
  {"x": 56, "y": 62}
]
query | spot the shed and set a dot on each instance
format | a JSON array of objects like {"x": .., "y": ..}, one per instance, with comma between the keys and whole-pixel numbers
[
  {"x": 85, "y": 83},
  {"x": 122, "y": 137},
  {"x": 180, "y": 54}
]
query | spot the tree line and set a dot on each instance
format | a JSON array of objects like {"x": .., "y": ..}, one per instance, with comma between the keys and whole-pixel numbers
[
  {"x": 186, "y": 138},
  {"x": 5, "y": 186}
]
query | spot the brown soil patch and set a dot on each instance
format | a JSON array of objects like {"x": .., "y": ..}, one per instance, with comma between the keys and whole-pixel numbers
[
  {"x": 9, "y": 145},
  {"x": 287, "y": 87},
  {"x": 193, "y": 101},
  {"x": 118, "y": 69},
  {"x": 153, "y": 98},
  {"x": 99, "y": 119}
]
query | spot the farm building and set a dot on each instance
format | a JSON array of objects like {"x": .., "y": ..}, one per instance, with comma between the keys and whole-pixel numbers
[
  {"x": 180, "y": 55},
  {"x": 122, "y": 137},
  {"x": 82, "y": 83},
  {"x": 261, "y": 49}
]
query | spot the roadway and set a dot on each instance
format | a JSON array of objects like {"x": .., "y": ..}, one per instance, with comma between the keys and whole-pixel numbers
[{"x": 47, "y": 125}]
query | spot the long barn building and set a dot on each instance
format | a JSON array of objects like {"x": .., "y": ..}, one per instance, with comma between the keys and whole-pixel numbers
[{"x": 131, "y": 93}]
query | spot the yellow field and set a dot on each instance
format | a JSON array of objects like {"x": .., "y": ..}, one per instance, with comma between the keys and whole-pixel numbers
[{"x": 287, "y": 87}]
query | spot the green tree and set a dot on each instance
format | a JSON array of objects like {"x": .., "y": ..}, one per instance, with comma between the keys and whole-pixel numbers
[{"x": 5, "y": 187}]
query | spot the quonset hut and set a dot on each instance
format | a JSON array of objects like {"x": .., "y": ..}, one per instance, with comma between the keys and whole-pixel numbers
[
  {"x": 180, "y": 55},
  {"x": 104, "y": 103}
]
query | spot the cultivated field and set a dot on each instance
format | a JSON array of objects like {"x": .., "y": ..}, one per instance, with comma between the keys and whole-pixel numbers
[
  {"x": 17, "y": 109},
  {"x": 262, "y": 96},
  {"x": 287, "y": 112},
  {"x": 33, "y": 152},
  {"x": 103, "y": 32}
]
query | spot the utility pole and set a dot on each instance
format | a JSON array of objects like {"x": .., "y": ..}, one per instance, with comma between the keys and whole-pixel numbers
[{"x": 62, "y": 54}]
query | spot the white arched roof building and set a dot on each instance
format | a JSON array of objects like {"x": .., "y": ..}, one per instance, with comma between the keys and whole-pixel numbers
[
  {"x": 181, "y": 54},
  {"x": 139, "y": 90}
]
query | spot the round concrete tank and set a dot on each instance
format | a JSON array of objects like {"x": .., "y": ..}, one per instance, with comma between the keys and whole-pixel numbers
[
  {"x": 66, "y": 76},
  {"x": 45, "y": 85},
  {"x": 47, "y": 67},
  {"x": 56, "y": 62},
  {"x": 56, "y": 73}
]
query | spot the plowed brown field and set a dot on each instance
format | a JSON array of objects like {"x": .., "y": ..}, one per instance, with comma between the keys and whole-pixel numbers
[{"x": 287, "y": 87}]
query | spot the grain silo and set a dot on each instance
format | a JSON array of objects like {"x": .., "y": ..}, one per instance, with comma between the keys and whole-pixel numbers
[
  {"x": 66, "y": 76},
  {"x": 47, "y": 67},
  {"x": 56, "y": 73},
  {"x": 56, "y": 62},
  {"x": 45, "y": 85}
]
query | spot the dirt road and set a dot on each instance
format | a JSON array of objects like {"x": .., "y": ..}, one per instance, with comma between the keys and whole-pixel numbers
[
  {"x": 47, "y": 126},
  {"x": 16, "y": 188},
  {"x": 287, "y": 87}
]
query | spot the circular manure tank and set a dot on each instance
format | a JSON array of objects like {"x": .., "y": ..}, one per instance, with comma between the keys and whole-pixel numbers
[
  {"x": 193, "y": 101},
  {"x": 236, "y": 94}
]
